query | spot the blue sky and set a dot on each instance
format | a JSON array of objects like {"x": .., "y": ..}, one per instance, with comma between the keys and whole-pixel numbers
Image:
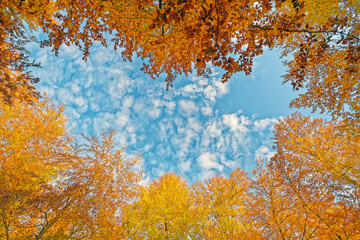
[{"x": 199, "y": 128}]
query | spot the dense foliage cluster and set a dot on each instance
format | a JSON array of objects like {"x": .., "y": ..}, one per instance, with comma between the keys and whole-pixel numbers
[
  {"x": 180, "y": 36},
  {"x": 52, "y": 188}
]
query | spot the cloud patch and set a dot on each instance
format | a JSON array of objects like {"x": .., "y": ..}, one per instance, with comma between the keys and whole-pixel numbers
[
  {"x": 180, "y": 130},
  {"x": 208, "y": 161}
]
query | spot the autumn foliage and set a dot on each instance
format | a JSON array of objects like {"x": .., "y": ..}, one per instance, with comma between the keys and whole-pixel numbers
[
  {"x": 54, "y": 185},
  {"x": 179, "y": 37},
  {"x": 53, "y": 188},
  {"x": 309, "y": 189},
  {"x": 163, "y": 210}
]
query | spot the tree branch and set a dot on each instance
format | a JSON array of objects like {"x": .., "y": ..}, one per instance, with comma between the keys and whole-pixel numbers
[
  {"x": 304, "y": 31},
  {"x": 50, "y": 223}
]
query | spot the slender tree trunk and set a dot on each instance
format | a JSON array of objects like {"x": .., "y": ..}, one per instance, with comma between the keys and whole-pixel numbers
[{"x": 6, "y": 225}]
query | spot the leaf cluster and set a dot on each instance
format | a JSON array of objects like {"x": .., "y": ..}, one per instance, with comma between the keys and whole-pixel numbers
[{"x": 181, "y": 36}]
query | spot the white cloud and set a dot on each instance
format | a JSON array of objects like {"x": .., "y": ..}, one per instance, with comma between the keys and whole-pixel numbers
[
  {"x": 191, "y": 88},
  {"x": 72, "y": 113},
  {"x": 216, "y": 90},
  {"x": 205, "y": 175},
  {"x": 185, "y": 166},
  {"x": 236, "y": 123},
  {"x": 128, "y": 102},
  {"x": 202, "y": 81},
  {"x": 222, "y": 88},
  {"x": 208, "y": 160},
  {"x": 187, "y": 107},
  {"x": 264, "y": 152},
  {"x": 75, "y": 88},
  {"x": 261, "y": 124},
  {"x": 194, "y": 124},
  {"x": 210, "y": 93},
  {"x": 170, "y": 107},
  {"x": 214, "y": 130},
  {"x": 139, "y": 105},
  {"x": 122, "y": 119},
  {"x": 208, "y": 111},
  {"x": 154, "y": 113},
  {"x": 120, "y": 86},
  {"x": 94, "y": 107},
  {"x": 181, "y": 130}
]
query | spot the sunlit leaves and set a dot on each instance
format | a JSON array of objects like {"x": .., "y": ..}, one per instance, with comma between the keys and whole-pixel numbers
[
  {"x": 51, "y": 190},
  {"x": 163, "y": 210},
  {"x": 34, "y": 147},
  {"x": 93, "y": 191},
  {"x": 222, "y": 204},
  {"x": 16, "y": 82},
  {"x": 309, "y": 188},
  {"x": 323, "y": 145},
  {"x": 179, "y": 37}
]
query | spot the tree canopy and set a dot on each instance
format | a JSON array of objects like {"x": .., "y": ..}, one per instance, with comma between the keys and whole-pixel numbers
[
  {"x": 52, "y": 188},
  {"x": 179, "y": 37}
]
